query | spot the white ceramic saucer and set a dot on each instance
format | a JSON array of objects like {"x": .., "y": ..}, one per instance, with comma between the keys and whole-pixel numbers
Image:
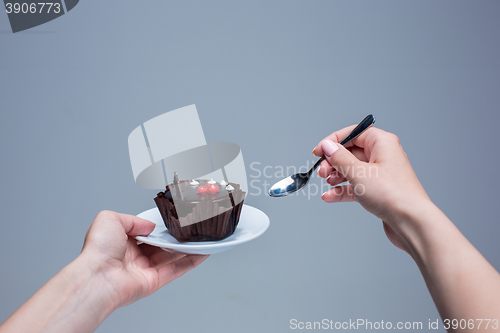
[{"x": 252, "y": 224}]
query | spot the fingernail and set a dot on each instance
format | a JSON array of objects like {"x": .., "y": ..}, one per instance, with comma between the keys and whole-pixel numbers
[
  {"x": 313, "y": 151},
  {"x": 329, "y": 148}
]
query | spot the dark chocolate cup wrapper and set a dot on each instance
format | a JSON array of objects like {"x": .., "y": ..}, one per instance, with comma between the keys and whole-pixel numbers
[{"x": 216, "y": 228}]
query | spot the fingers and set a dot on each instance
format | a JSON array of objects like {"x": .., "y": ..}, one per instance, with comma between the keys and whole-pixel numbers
[
  {"x": 337, "y": 136},
  {"x": 133, "y": 225},
  {"x": 326, "y": 170},
  {"x": 149, "y": 250},
  {"x": 343, "y": 193},
  {"x": 163, "y": 258},
  {"x": 159, "y": 257},
  {"x": 366, "y": 140},
  {"x": 170, "y": 265},
  {"x": 335, "y": 178},
  {"x": 341, "y": 159},
  {"x": 359, "y": 153},
  {"x": 172, "y": 271}
]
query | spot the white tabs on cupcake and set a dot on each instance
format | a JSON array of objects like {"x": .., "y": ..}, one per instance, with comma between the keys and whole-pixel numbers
[
  {"x": 229, "y": 188},
  {"x": 194, "y": 183},
  {"x": 223, "y": 182},
  {"x": 211, "y": 181}
]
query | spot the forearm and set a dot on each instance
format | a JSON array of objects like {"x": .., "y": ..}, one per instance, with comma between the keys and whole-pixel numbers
[
  {"x": 461, "y": 281},
  {"x": 75, "y": 300}
]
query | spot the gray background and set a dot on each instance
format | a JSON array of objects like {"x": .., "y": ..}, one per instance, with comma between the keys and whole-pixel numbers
[{"x": 274, "y": 77}]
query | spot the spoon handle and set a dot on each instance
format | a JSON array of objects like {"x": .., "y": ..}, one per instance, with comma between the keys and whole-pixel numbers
[{"x": 362, "y": 126}]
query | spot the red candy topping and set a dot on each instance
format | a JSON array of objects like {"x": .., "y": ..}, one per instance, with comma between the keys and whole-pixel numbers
[
  {"x": 213, "y": 188},
  {"x": 202, "y": 189}
]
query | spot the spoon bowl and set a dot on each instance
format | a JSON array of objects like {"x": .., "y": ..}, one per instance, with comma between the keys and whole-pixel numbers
[
  {"x": 298, "y": 181},
  {"x": 289, "y": 184}
]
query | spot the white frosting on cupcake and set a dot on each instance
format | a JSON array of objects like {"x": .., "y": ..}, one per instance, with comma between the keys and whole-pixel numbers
[
  {"x": 223, "y": 182},
  {"x": 211, "y": 181},
  {"x": 194, "y": 183},
  {"x": 229, "y": 188}
]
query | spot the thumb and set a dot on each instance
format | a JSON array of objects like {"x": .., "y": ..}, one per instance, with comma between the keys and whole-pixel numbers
[
  {"x": 132, "y": 225},
  {"x": 341, "y": 159}
]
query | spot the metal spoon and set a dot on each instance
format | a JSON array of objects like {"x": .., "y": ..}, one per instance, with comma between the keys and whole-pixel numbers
[{"x": 298, "y": 181}]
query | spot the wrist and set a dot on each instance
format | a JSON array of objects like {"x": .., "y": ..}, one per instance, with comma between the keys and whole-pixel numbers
[
  {"x": 429, "y": 234},
  {"x": 73, "y": 300},
  {"x": 96, "y": 293},
  {"x": 420, "y": 224}
]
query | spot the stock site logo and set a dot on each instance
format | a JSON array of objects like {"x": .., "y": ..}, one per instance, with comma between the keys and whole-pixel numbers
[
  {"x": 28, "y": 14},
  {"x": 174, "y": 144}
]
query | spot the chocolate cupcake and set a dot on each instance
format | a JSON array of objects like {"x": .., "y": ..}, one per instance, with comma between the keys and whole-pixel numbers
[{"x": 200, "y": 210}]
